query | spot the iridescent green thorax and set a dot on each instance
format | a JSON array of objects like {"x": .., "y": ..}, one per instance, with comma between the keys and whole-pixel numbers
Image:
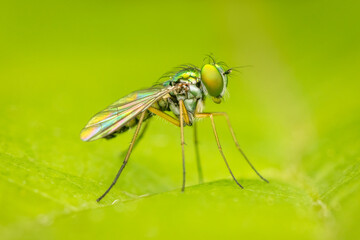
[
  {"x": 191, "y": 94},
  {"x": 191, "y": 74}
]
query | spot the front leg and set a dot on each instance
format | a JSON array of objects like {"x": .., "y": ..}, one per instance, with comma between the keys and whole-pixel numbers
[
  {"x": 210, "y": 115},
  {"x": 206, "y": 115}
]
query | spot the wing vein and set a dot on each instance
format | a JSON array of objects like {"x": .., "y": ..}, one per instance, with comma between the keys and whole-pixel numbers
[{"x": 122, "y": 111}]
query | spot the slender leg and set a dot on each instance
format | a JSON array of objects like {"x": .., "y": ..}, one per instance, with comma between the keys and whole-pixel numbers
[
  {"x": 239, "y": 148},
  {"x": 126, "y": 158},
  {"x": 185, "y": 114},
  {"x": 140, "y": 136},
  {"x": 165, "y": 116},
  {"x": 182, "y": 140},
  {"x": 179, "y": 123},
  {"x": 220, "y": 150},
  {"x": 196, "y": 143},
  {"x": 203, "y": 115}
]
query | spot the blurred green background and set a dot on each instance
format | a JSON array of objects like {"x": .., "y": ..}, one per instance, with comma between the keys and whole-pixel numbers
[{"x": 296, "y": 113}]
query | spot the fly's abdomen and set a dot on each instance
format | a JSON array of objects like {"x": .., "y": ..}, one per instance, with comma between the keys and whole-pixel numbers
[
  {"x": 130, "y": 124},
  {"x": 162, "y": 105}
]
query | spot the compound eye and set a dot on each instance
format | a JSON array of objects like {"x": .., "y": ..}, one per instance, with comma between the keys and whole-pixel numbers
[{"x": 212, "y": 79}]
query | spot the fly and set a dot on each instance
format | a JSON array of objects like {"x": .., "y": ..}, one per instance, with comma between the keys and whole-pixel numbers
[{"x": 183, "y": 95}]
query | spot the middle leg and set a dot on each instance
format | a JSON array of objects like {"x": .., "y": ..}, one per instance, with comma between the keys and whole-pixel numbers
[
  {"x": 197, "y": 154},
  {"x": 181, "y": 103},
  {"x": 184, "y": 117}
]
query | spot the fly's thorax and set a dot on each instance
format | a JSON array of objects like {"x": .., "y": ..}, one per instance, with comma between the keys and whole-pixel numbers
[
  {"x": 190, "y": 104},
  {"x": 193, "y": 96},
  {"x": 188, "y": 90},
  {"x": 190, "y": 94},
  {"x": 190, "y": 75},
  {"x": 174, "y": 107},
  {"x": 195, "y": 92}
]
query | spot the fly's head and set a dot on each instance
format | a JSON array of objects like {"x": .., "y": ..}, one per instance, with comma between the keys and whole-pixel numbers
[{"x": 215, "y": 79}]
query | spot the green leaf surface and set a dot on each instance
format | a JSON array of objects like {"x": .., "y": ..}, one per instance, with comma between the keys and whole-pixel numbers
[{"x": 296, "y": 113}]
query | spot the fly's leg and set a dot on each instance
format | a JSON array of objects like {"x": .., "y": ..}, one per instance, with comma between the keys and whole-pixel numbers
[
  {"x": 204, "y": 115},
  {"x": 220, "y": 148},
  {"x": 164, "y": 116},
  {"x": 126, "y": 158},
  {"x": 182, "y": 107},
  {"x": 184, "y": 112},
  {"x": 140, "y": 136},
  {"x": 183, "y": 117},
  {"x": 197, "y": 154}
]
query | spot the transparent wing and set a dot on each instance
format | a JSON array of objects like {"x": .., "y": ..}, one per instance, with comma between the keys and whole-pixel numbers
[{"x": 122, "y": 111}]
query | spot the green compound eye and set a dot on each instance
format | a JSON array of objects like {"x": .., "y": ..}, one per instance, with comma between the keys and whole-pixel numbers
[{"x": 212, "y": 79}]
